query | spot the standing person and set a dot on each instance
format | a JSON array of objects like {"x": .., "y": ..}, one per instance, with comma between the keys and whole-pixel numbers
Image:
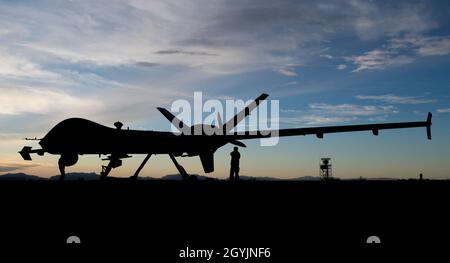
[{"x": 234, "y": 170}]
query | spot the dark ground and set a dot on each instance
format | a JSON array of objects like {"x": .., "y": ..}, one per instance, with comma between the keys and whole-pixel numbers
[{"x": 161, "y": 217}]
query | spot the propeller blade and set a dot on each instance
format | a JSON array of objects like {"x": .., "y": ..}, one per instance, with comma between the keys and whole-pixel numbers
[
  {"x": 181, "y": 126},
  {"x": 244, "y": 113},
  {"x": 219, "y": 121}
]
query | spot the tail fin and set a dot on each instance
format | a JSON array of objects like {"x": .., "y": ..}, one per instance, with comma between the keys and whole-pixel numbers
[
  {"x": 428, "y": 125},
  {"x": 244, "y": 113}
]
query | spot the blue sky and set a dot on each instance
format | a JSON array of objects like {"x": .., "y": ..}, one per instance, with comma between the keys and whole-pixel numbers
[{"x": 327, "y": 62}]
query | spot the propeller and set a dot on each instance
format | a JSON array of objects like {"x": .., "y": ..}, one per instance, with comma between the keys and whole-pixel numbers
[
  {"x": 219, "y": 121},
  {"x": 180, "y": 125}
]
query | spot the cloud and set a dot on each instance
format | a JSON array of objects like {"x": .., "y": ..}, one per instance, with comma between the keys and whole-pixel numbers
[
  {"x": 435, "y": 46},
  {"x": 291, "y": 111},
  {"x": 394, "y": 99},
  {"x": 401, "y": 50},
  {"x": 21, "y": 100},
  {"x": 447, "y": 110},
  {"x": 378, "y": 59},
  {"x": 183, "y": 52},
  {"x": 420, "y": 113},
  {"x": 327, "y": 56},
  {"x": 341, "y": 66},
  {"x": 20, "y": 67},
  {"x": 219, "y": 38},
  {"x": 352, "y": 110},
  {"x": 287, "y": 71},
  {"x": 422, "y": 45},
  {"x": 377, "y": 118},
  {"x": 322, "y": 113},
  {"x": 113, "y": 33},
  {"x": 290, "y": 83},
  {"x": 314, "y": 120},
  {"x": 146, "y": 64},
  {"x": 11, "y": 167},
  {"x": 391, "y": 18}
]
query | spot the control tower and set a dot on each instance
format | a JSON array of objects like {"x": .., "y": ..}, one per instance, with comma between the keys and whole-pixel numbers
[{"x": 325, "y": 168}]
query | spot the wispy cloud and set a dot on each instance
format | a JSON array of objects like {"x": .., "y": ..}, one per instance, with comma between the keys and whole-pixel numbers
[
  {"x": 217, "y": 38},
  {"x": 420, "y": 113},
  {"x": 287, "y": 71},
  {"x": 323, "y": 113},
  {"x": 327, "y": 56},
  {"x": 435, "y": 46},
  {"x": 377, "y": 118},
  {"x": 401, "y": 50},
  {"x": 394, "y": 99},
  {"x": 15, "y": 66},
  {"x": 291, "y": 83},
  {"x": 446, "y": 110},
  {"x": 393, "y": 18},
  {"x": 378, "y": 59},
  {"x": 183, "y": 52},
  {"x": 18, "y": 100},
  {"x": 422, "y": 45},
  {"x": 341, "y": 66},
  {"x": 314, "y": 120},
  {"x": 352, "y": 109},
  {"x": 146, "y": 64},
  {"x": 12, "y": 167},
  {"x": 291, "y": 111}
]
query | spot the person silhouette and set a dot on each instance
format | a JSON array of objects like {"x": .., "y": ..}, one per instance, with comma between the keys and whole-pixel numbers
[{"x": 234, "y": 170}]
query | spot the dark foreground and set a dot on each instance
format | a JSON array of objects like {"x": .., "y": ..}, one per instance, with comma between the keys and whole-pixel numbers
[{"x": 163, "y": 217}]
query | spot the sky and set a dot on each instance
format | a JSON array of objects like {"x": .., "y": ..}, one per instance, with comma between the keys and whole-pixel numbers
[{"x": 327, "y": 62}]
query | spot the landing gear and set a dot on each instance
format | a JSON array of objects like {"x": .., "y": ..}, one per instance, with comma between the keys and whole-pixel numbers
[
  {"x": 115, "y": 161},
  {"x": 136, "y": 174},
  {"x": 66, "y": 159},
  {"x": 180, "y": 168},
  {"x": 62, "y": 169}
]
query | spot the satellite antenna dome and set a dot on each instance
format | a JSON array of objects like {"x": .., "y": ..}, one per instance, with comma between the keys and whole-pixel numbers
[{"x": 118, "y": 125}]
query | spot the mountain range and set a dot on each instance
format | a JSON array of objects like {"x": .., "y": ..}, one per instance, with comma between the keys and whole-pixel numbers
[
  {"x": 171, "y": 177},
  {"x": 174, "y": 177}
]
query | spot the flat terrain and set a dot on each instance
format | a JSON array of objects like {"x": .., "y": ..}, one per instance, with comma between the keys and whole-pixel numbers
[{"x": 164, "y": 216}]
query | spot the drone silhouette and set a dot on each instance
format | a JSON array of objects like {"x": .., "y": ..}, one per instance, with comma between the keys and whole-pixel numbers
[{"x": 75, "y": 136}]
